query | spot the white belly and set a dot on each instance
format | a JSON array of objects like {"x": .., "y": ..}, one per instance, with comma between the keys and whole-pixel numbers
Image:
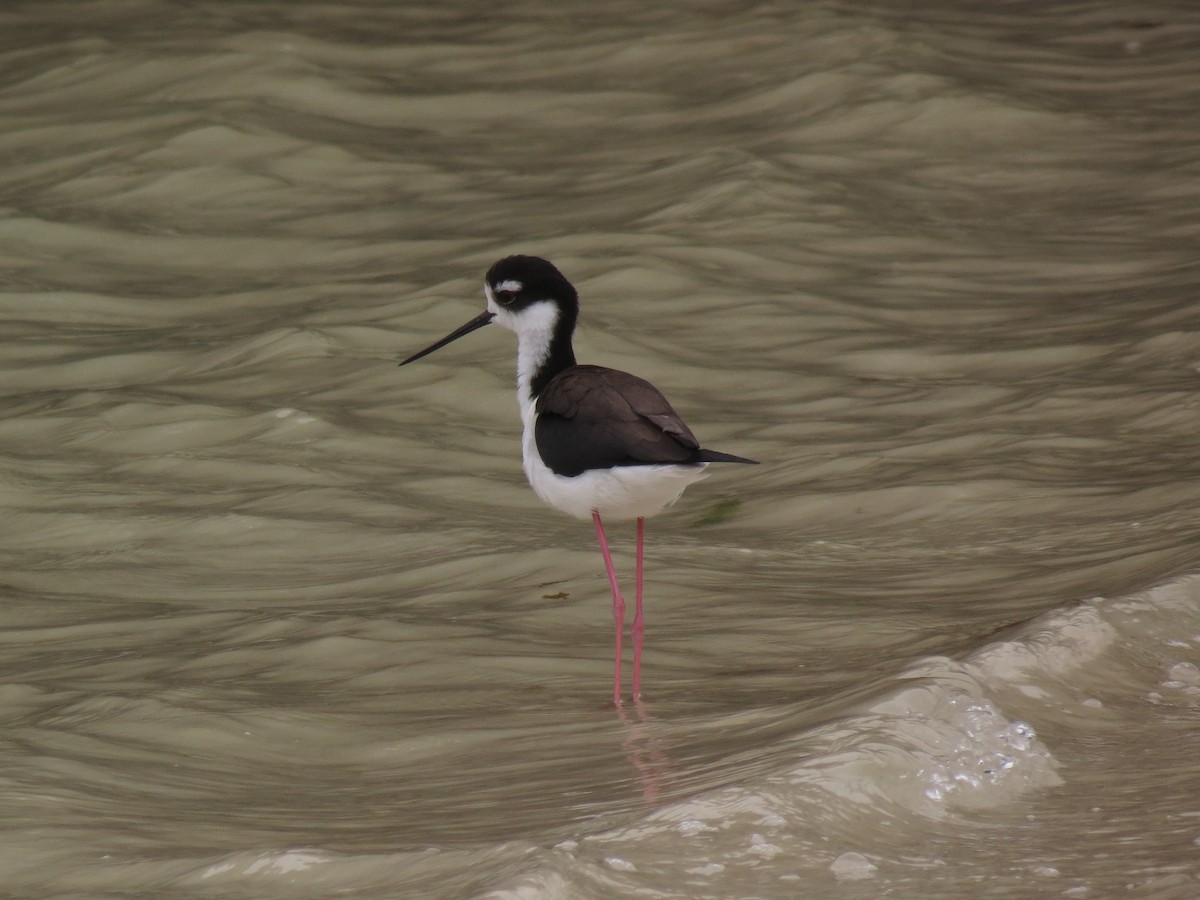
[{"x": 624, "y": 492}]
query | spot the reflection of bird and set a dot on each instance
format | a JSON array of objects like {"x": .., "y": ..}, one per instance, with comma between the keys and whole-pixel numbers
[{"x": 597, "y": 442}]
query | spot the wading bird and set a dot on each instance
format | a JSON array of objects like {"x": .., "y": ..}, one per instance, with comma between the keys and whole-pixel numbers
[{"x": 597, "y": 443}]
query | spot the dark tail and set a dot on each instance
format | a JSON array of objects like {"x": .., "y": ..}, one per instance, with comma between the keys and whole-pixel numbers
[{"x": 717, "y": 456}]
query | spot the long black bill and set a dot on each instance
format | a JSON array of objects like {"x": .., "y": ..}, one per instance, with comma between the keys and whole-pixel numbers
[{"x": 478, "y": 322}]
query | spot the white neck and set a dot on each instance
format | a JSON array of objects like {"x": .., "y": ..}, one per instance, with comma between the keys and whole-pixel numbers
[
  {"x": 534, "y": 327},
  {"x": 532, "y": 350}
]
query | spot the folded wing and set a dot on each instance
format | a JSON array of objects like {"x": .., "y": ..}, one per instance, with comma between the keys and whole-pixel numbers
[{"x": 589, "y": 417}]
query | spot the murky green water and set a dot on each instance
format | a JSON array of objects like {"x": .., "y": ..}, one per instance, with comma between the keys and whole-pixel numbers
[{"x": 279, "y": 618}]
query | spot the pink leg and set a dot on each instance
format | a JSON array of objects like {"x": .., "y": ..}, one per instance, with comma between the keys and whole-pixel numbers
[
  {"x": 618, "y": 605},
  {"x": 638, "y": 628}
]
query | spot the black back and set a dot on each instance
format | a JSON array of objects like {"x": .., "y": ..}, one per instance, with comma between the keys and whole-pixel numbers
[{"x": 590, "y": 417}]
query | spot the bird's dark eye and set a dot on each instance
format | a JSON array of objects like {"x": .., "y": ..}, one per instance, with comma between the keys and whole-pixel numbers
[{"x": 506, "y": 291}]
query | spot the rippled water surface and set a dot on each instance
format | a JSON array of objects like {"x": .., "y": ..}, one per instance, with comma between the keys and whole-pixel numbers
[{"x": 280, "y": 619}]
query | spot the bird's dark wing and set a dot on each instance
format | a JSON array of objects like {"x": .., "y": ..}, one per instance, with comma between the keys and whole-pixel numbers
[{"x": 590, "y": 417}]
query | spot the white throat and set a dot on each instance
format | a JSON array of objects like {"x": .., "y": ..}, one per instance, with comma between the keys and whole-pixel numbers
[{"x": 534, "y": 327}]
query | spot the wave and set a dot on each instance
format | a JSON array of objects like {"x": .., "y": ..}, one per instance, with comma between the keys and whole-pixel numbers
[{"x": 950, "y": 743}]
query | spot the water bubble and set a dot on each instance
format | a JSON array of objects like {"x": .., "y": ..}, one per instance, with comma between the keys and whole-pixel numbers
[
  {"x": 995, "y": 765},
  {"x": 773, "y": 820},
  {"x": 967, "y": 778},
  {"x": 763, "y": 848},
  {"x": 852, "y": 866},
  {"x": 1184, "y": 672},
  {"x": 693, "y": 827},
  {"x": 1019, "y": 736}
]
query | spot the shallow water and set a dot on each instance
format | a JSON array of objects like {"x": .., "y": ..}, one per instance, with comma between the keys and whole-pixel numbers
[{"x": 282, "y": 619}]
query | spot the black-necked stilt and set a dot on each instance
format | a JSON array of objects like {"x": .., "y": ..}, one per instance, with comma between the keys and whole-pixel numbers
[{"x": 597, "y": 443}]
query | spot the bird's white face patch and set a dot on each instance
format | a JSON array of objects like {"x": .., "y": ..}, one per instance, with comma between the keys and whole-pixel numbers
[
  {"x": 534, "y": 324},
  {"x": 537, "y": 319}
]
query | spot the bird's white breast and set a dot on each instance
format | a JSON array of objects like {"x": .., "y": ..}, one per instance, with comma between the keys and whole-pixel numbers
[{"x": 622, "y": 492}]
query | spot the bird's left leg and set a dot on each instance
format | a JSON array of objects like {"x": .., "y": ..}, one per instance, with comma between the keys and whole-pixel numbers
[
  {"x": 638, "y": 629},
  {"x": 618, "y": 606}
]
